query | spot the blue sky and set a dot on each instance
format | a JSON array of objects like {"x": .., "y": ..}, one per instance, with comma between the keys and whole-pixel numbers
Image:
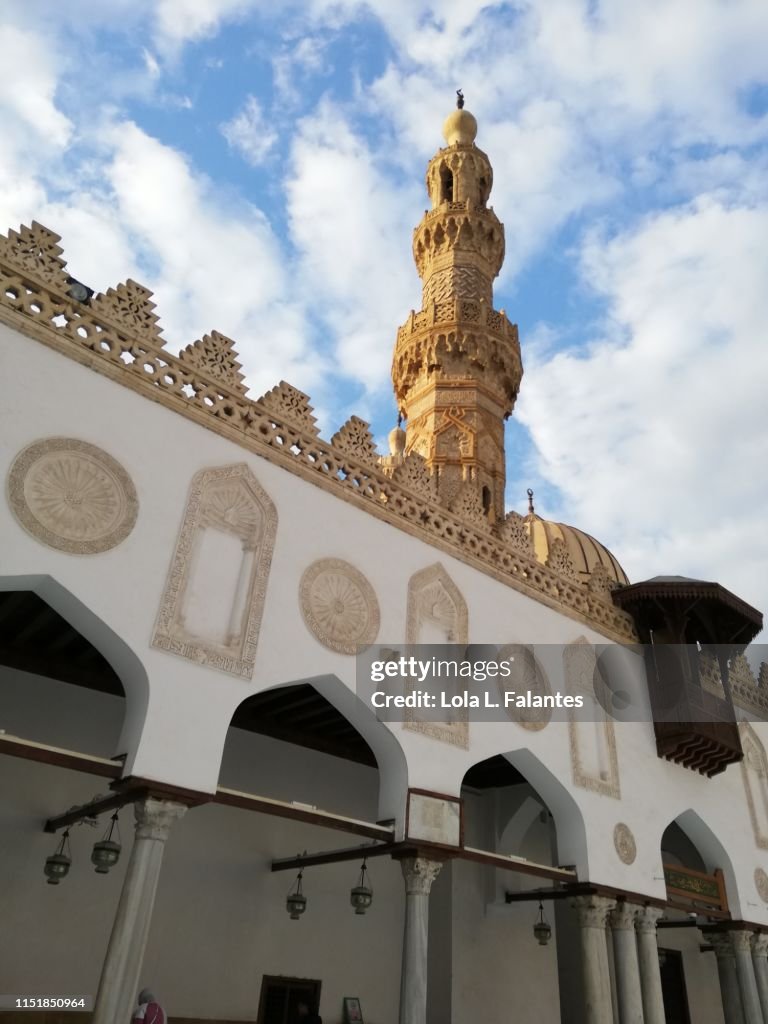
[{"x": 260, "y": 167}]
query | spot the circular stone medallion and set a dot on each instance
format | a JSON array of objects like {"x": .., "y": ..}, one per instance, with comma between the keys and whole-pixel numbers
[
  {"x": 72, "y": 496},
  {"x": 761, "y": 884},
  {"x": 339, "y": 605},
  {"x": 624, "y": 842}
]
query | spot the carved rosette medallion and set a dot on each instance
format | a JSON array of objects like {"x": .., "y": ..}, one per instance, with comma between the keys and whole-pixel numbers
[
  {"x": 761, "y": 884},
  {"x": 72, "y": 496},
  {"x": 625, "y": 844},
  {"x": 339, "y": 605}
]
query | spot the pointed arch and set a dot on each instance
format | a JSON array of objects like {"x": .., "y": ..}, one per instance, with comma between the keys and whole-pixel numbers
[
  {"x": 126, "y": 665},
  {"x": 366, "y": 740}
]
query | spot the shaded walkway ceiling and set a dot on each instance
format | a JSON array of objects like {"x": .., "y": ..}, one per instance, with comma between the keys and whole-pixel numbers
[{"x": 34, "y": 638}]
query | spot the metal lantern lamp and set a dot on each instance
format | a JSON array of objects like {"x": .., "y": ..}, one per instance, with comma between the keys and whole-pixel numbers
[
  {"x": 361, "y": 896},
  {"x": 58, "y": 864},
  {"x": 296, "y": 902},
  {"x": 106, "y": 852},
  {"x": 542, "y": 930}
]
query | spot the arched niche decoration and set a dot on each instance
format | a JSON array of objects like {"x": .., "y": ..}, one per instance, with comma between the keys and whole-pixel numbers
[
  {"x": 754, "y": 772},
  {"x": 594, "y": 762},
  {"x": 526, "y": 674},
  {"x": 213, "y": 601},
  {"x": 437, "y": 614}
]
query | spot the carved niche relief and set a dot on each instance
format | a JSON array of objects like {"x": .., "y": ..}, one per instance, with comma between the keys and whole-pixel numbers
[
  {"x": 754, "y": 772},
  {"x": 214, "y": 596},
  {"x": 526, "y": 674},
  {"x": 72, "y": 496},
  {"x": 437, "y": 614},
  {"x": 592, "y": 737}
]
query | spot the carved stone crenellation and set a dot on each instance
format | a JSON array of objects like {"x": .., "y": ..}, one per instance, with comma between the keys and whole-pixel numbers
[
  {"x": 355, "y": 438},
  {"x": 129, "y": 306},
  {"x": 215, "y": 354},
  {"x": 290, "y": 406},
  {"x": 121, "y": 341},
  {"x": 72, "y": 496}
]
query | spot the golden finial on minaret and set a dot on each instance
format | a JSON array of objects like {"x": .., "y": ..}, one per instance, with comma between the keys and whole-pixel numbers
[{"x": 456, "y": 367}]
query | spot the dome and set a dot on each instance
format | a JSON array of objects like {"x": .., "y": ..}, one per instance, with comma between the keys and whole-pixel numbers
[
  {"x": 460, "y": 126},
  {"x": 585, "y": 552}
]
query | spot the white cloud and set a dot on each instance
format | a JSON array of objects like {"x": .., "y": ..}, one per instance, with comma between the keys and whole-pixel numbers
[
  {"x": 352, "y": 230},
  {"x": 656, "y": 433},
  {"x": 250, "y": 132}
]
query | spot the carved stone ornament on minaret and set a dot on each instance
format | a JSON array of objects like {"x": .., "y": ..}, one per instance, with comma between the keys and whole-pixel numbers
[{"x": 457, "y": 367}]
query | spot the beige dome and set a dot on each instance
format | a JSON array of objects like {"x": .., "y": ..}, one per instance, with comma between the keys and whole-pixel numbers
[
  {"x": 585, "y": 551},
  {"x": 460, "y": 127}
]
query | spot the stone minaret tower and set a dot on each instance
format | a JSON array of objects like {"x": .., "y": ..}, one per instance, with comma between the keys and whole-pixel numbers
[{"x": 456, "y": 368}]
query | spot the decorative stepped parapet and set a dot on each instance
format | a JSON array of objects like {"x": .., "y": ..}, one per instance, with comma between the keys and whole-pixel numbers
[
  {"x": 130, "y": 308},
  {"x": 117, "y": 335},
  {"x": 355, "y": 438},
  {"x": 747, "y": 691},
  {"x": 214, "y": 353}
]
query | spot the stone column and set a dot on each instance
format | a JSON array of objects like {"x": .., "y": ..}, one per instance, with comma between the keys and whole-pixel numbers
[
  {"x": 119, "y": 983},
  {"x": 592, "y": 913},
  {"x": 745, "y": 972},
  {"x": 729, "y": 982},
  {"x": 648, "y": 956},
  {"x": 760, "y": 964},
  {"x": 419, "y": 874},
  {"x": 622, "y": 919}
]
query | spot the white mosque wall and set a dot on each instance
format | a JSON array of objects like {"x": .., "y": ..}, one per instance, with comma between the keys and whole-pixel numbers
[{"x": 176, "y": 731}]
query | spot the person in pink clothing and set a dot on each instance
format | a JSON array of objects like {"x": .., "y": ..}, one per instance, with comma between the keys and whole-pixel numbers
[{"x": 149, "y": 1010}]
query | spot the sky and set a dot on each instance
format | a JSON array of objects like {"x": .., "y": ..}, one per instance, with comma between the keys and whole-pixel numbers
[{"x": 260, "y": 167}]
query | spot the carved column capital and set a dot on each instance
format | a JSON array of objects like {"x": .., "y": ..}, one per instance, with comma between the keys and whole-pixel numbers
[
  {"x": 647, "y": 917},
  {"x": 419, "y": 874},
  {"x": 742, "y": 940},
  {"x": 592, "y": 911},
  {"x": 623, "y": 915},
  {"x": 760, "y": 944},
  {"x": 722, "y": 945},
  {"x": 155, "y": 817}
]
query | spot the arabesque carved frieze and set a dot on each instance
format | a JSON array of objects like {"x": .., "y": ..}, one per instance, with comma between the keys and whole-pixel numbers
[{"x": 117, "y": 335}]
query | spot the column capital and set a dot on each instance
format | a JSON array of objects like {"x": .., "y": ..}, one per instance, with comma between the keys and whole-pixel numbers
[
  {"x": 742, "y": 940},
  {"x": 623, "y": 915},
  {"x": 419, "y": 874},
  {"x": 760, "y": 944},
  {"x": 155, "y": 817},
  {"x": 593, "y": 911},
  {"x": 647, "y": 918},
  {"x": 722, "y": 944}
]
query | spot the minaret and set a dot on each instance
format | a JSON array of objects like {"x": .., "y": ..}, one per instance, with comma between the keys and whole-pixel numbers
[{"x": 456, "y": 368}]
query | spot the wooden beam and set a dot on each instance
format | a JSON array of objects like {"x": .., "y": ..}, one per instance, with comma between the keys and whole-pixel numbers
[
  {"x": 16, "y": 746},
  {"x": 512, "y": 863},
  {"x": 307, "y": 860},
  {"x": 90, "y": 810},
  {"x": 301, "y": 812}
]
